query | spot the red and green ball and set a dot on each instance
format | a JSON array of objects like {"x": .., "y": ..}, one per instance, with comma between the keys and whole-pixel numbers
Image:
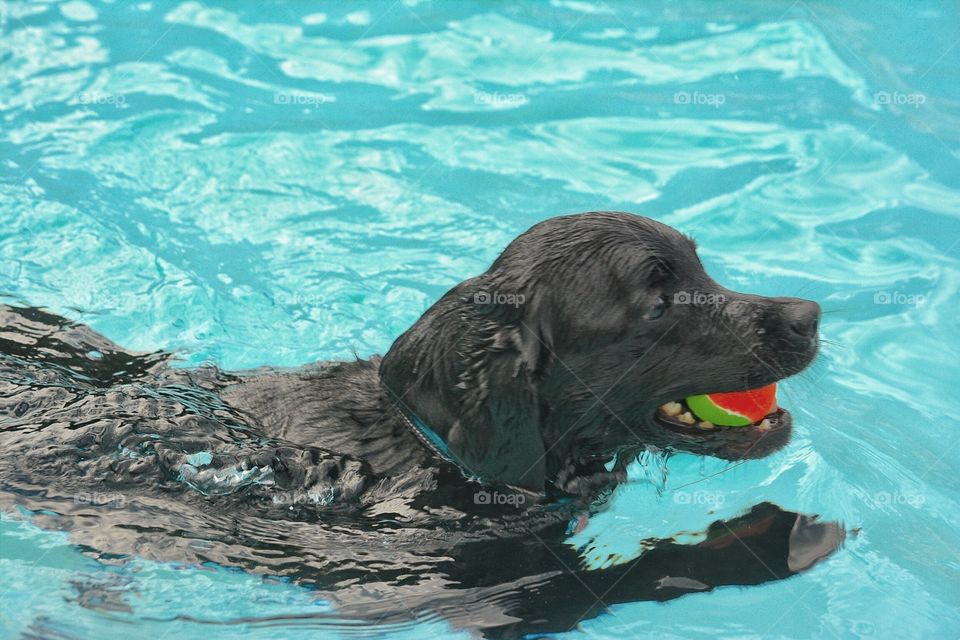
[{"x": 735, "y": 408}]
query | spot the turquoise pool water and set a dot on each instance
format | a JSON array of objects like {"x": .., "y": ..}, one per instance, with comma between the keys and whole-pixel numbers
[{"x": 255, "y": 183}]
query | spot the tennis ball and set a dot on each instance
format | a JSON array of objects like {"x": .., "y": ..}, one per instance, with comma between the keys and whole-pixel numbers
[{"x": 735, "y": 408}]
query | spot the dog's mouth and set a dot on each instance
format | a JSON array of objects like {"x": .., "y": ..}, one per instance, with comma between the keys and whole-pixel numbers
[
  {"x": 678, "y": 415},
  {"x": 684, "y": 429}
]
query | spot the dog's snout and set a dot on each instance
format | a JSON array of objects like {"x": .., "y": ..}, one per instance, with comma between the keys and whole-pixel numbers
[
  {"x": 802, "y": 316},
  {"x": 788, "y": 333}
]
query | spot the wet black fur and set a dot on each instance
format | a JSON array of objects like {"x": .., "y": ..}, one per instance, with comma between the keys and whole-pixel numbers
[{"x": 541, "y": 397}]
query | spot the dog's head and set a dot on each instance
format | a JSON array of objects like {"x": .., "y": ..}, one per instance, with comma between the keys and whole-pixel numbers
[{"x": 567, "y": 347}]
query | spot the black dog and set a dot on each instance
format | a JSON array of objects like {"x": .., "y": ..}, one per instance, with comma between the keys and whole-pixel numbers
[{"x": 537, "y": 382}]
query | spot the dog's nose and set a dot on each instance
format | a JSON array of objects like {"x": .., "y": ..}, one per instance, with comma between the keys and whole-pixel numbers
[{"x": 803, "y": 316}]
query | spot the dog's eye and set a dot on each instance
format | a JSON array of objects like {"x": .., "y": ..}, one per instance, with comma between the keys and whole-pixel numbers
[{"x": 656, "y": 309}]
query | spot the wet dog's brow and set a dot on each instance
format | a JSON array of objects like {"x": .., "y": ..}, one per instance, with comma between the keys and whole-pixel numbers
[{"x": 661, "y": 271}]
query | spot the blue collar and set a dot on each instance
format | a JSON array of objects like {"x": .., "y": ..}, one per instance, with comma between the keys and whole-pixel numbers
[{"x": 437, "y": 445}]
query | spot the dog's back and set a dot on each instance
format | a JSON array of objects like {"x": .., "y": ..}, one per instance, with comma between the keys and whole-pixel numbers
[
  {"x": 78, "y": 411},
  {"x": 336, "y": 406}
]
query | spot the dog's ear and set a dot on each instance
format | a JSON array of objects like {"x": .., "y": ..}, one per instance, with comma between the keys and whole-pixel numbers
[
  {"x": 535, "y": 338},
  {"x": 514, "y": 321},
  {"x": 470, "y": 369},
  {"x": 498, "y": 433}
]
